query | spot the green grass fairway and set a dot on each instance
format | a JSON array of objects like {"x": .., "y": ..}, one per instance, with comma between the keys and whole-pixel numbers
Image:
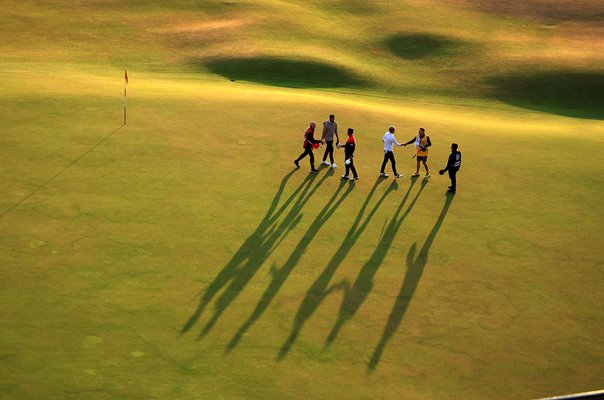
[{"x": 183, "y": 257}]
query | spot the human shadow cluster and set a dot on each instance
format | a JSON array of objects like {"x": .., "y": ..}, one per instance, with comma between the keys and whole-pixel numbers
[{"x": 282, "y": 216}]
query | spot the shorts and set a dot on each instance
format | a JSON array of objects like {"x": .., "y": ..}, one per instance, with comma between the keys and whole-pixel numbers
[{"x": 422, "y": 158}]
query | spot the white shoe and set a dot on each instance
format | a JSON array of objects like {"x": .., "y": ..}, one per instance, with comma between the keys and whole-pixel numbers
[
  {"x": 345, "y": 177},
  {"x": 427, "y": 176},
  {"x": 384, "y": 175},
  {"x": 398, "y": 176},
  {"x": 415, "y": 175},
  {"x": 325, "y": 163},
  {"x": 333, "y": 165}
]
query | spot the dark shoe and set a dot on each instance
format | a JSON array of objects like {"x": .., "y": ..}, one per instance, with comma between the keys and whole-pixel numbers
[
  {"x": 451, "y": 191},
  {"x": 356, "y": 178},
  {"x": 296, "y": 164},
  {"x": 314, "y": 171}
]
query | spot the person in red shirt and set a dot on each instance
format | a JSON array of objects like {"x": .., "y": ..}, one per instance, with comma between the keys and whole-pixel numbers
[
  {"x": 349, "y": 148},
  {"x": 310, "y": 143}
]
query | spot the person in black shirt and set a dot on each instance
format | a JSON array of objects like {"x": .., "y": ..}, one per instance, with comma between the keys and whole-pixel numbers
[
  {"x": 309, "y": 144},
  {"x": 453, "y": 165},
  {"x": 349, "y": 148}
]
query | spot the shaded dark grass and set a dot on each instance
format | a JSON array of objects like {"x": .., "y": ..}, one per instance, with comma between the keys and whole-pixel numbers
[
  {"x": 569, "y": 93},
  {"x": 283, "y": 72},
  {"x": 549, "y": 11},
  {"x": 415, "y": 46}
]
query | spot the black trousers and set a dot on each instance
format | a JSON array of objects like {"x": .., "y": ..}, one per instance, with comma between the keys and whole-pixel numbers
[
  {"x": 389, "y": 155},
  {"x": 308, "y": 152},
  {"x": 452, "y": 173},
  {"x": 328, "y": 150},
  {"x": 350, "y": 167}
]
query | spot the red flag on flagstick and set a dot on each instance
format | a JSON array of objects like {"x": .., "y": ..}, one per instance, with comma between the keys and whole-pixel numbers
[{"x": 126, "y": 75}]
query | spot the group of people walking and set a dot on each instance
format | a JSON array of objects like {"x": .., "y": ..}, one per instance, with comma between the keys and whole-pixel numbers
[{"x": 421, "y": 141}]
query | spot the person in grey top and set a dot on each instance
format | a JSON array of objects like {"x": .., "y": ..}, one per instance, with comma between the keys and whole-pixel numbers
[{"x": 330, "y": 129}]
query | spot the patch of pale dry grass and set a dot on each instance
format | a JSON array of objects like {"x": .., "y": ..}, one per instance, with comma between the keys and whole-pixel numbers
[{"x": 204, "y": 27}]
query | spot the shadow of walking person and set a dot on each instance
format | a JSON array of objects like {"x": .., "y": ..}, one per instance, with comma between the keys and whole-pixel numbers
[
  {"x": 415, "y": 269},
  {"x": 356, "y": 295},
  {"x": 319, "y": 289},
  {"x": 280, "y": 276},
  {"x": 255, "y": 250}
]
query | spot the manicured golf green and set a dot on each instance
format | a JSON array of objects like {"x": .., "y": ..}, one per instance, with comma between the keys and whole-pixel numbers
[{"x": 182, "y": 256}]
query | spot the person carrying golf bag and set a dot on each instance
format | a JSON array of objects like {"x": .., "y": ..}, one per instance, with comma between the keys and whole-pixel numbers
[
  {"x": 309, "y": 144},
  {"x": 453, "y": 165},
  {"x": 349, "y": 148},
  {"x": 422, "y": 142}
]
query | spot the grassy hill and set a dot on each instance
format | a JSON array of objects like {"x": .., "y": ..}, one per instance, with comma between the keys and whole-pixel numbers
[{"x": 182, "y": 256}]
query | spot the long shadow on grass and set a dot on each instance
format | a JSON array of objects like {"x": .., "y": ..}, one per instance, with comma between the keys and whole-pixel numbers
[
  {"x": 255, "y": 250},
  {"x": 415, "y": 269},
  {"x": 356, "y": 295},
  {"x": 279, "y": 276},
  {"x": 319, "y": 289}
]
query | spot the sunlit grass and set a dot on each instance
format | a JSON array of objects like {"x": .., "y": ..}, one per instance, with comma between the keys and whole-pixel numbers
[{"x": 181, "y": 256}]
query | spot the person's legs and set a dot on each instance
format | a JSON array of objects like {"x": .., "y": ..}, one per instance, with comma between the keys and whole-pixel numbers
[
  {"x": 384, "y": 162},
  {"x": 329, "y": 150},
  {"x": 425, "y": 166},
  {"x": 393, "y": 161},
  {"x": 417, "y": 168},
  {"x": 312, "y": 159},
  {"x": 353, "y": 169},
  {"x": 301, "y": 156},
  {"x": 452, "y": 176}
]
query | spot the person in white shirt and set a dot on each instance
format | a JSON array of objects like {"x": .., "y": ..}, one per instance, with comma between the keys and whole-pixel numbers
[{"x": 389, "y": 141}]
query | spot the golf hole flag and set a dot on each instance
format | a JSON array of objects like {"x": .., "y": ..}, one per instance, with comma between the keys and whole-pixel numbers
[{"x": 125, "y": 83}]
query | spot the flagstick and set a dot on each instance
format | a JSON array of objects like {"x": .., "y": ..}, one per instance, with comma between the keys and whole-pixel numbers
[{"x": 124, "y": 102}]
